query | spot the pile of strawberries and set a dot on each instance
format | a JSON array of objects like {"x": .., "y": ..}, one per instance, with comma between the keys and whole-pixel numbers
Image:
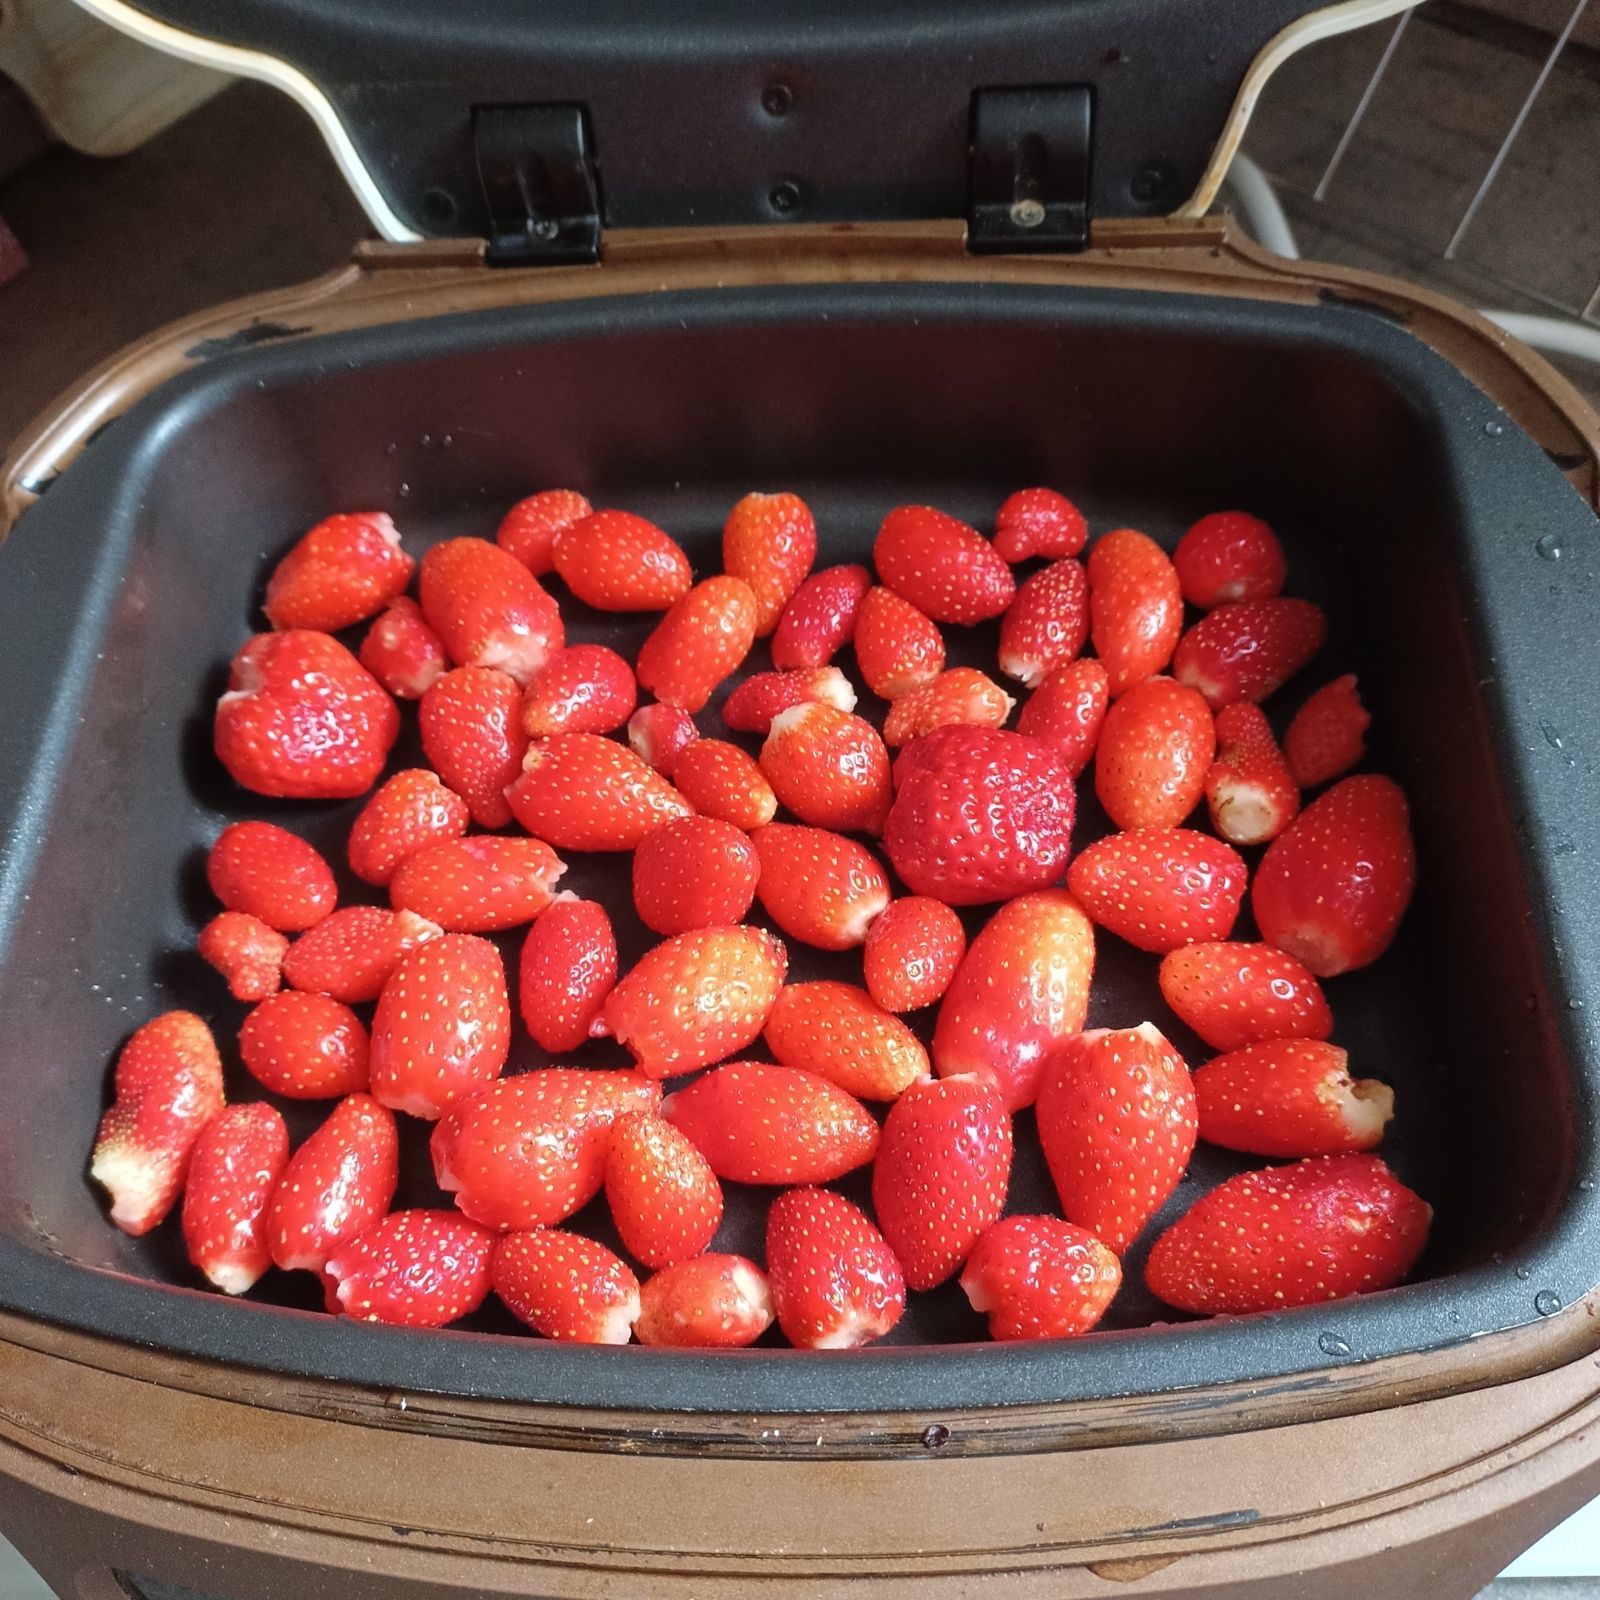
[{"x": 519, "y": 728}]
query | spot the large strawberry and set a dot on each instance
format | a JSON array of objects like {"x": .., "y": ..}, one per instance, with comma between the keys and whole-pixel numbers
[
  {"x": 580, "y": 791},
  {"x": 1159, "y": 888},
  {"x": 415, "y": 1269},
  {"x": 305, "y": 1046},
  {"x": 663, "y": 1195},
  {"x": 820, "y": 618},
  {"x": 699, "y": 642},
  {"x": 1135, "y": 607},
  {"x": 694, "y": 872},
  {"x": 616, "y": 561},
  {"x": 567, "y": 968},
  {"x": 1234, "y": 994},
  {"x": 835, "y": 1283},
  {"x": 351, "y": 954},
  {"x": 945, "y": 568},
  {"x": 472, "y": 735},
  {"x": 477, "y": 885},
  {"x": 1040, "y": 1278},
  {"x": 488, "y": 609},
  {"x": 1245, "y": 650},
  {"x": 836, "y": 1031},
  {"x": 407, "y": 812},
  {"x": 234, "y": 1169},
  {"x": 347, "y": 568},
  {"x": 1154, "y": 752},
  {"x": 566, "y": 1286},
  {"x": 528, "y": 530},
  {"x": 717, "y": 1302},
  {"x": 265, "y": 871},
  {"x": 819, "y": 887},
  {"x": 769, "y": 540}
]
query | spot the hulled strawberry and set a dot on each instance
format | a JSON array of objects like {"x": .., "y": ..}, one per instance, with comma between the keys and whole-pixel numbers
[
  {"x": 912, "y": 951},
  {"x": 246, "y": 952},
  {"x": 769, "y": 540},
  {"x": 488, "y": 609},
  {"x": 835, "y": 1283},
  {"x": 1229, "y": 556},
  {"x": 585, "y": 688},
  {"x": 1245, "y": 650},
  {"x": 347, "y": 568},
  {"x": 1046, "y": 625},
  {"x": 528, "y": 530},
  {"x": 1040, "y": 1278},
  {"x": 664, "y": 1198},
  {"x": 1237, "y": 994},
  {"x": 1039, "y": 522},
  {"x": 1154, "y": 752},
  {"x": 837, "y": 1032},
  {"x": 718, "y": 1302},
  {"x": 1135, "y": 607},
  {"x": 581, "y": 791},
  {"x": 828, "y": 767},
  {"x": 413, "y": 1269},
  {"x": 820, "y": 618},
  {"x": 720, "y": 780},
  {"x": 233, "y": 1171},
  {"x": 266, "y": 872},
  {"x": 616, "y": 561},
  {"x": 898, "y": 648},
  {"x": 961, "y": 695},
  {"x": 694, "y": 872},
  {"x": 1328, "y": 735},
  {"x": 402, "y": 652},
  {"x": 699, "y": 642},
  {"x": 819, "y": 887},
  {"x": 567, "y": 968},
  {"x": 1250, "y": 792},
  {"x": 350, "y": 955},
  {"x": 305, "y": 1047},
  {"x": 1159, "y": 888},
  {"x": 1067, "y": 712},
  {"x": 471, "y": 722},
  {"x": 477, "y": 885},
  {"x": 566, "y": 1287},
  {"x": 659, "y": 734},
  {"x": 942, "y": 566},
  {"x": 406, "y": 813},
  {"x": 752, "y": 706}
]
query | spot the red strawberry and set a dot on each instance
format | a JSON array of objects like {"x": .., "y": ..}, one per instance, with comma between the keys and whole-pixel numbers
[
  {"x": 1328, "y": 734},
  {"x": 708, "y": 1302},
  {"x": 527, "y": 1151},
  {"x": 344, "y": 570},
  {"x": 567, "y": 1287},
  {"x": 415, "y": 1269},
  {"x": 828, "y": 767},
  {"x": 1135, "y": 608},
  {"x": 1291, "y": 1236},
  {"x": 819, "y": 887},
  {"x": 752, "y": 706},
  {"x": 303, "y": 719},
  {"x": 761, "y": 1124},
  {"x": 836, "y": 1031},
  {"x": 1159, "y": 888},
  {"x": 352, "y": 953},
  {"x": 615, "y": 561},
  {"x": 1039, "y": 522},
  {"x": 443, "y": 1026},
  {"x": 1334, "y": 885},
  {"x": 584, "y": 688},
  {"x": 1154, "y": 752},
  {"x": 696, "y": 998},
  {"x": 265, "y": 871},
  {"x": 663, "y": 1195},
  {"x": 305, "y": 1046},
  {"x": 581, "y": 791},
  {"x": 660, "y": 734},
  {"x": 1245, "y": 650},
  {"x": 1117, "y": 1122},
  {"x": 472, "y": 736},
  {"x": 488, "y": 609},
  {"x": 769, "y": 540},
  {"x": 1250, "y": 792},
  {"x": 981, "y": 815},
  {"x": 941, "y": 1174},
  {"x": 528, "y": 530},
  {"x": 898, "y": 648},
  {"x": 1040, "y": 1278},
  {"x": 1067, "y": 712},
  {"x": 1021, "y": 989},
  {"x": 961, "y": 695},
  {"x": 235, "y": 1166},
  {"x": 947, "y": 569},
  {"x": 694, "y": 872},
  {"x": 336, "y": 1185},
  {"x": 246, "y": 952},
  {"x": 1229, "y": 556},
  {"x": 911, "y": 953},
  {"x": 1236, "y": 994},
  {"x": 408, "y": 812},
  {"x": 168, "y": 1085},
  {"x": 477, "y": 885},
  {"x": 820, "y": 618},
  {"x": 1046, "y": 625},
  {"x": 699, "y": 642},
  {"x": 721, "y": 780},
  {"x": 568, "y": 967},
  {"x": 402, "y": 652},
  {"x": 835, "y": 1284}
]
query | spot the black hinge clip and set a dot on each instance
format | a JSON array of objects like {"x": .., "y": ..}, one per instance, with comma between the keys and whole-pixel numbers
[
  {"x": 537, "y": 167},
  {"x": 1028, "y": 177}
]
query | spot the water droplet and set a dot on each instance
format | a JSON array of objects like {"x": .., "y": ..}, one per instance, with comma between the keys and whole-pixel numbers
[
  {"x": 1524, "y": 1273},
  {"x": 1552, "y": 735},
  {"x": 1494, "y": 428},
  {"x": 426, "y": 440},
  {"x": 1547, "y": 1302},
  {"x": 1551, "y": 547},
  {"x": 390, "y": 449},
  {"x": 405, "y": 488},
  {"x": 1586, "y": 1185},
  {"x": 1330, "y": 1344},
  {"x": 1574, "y": 1005},
  {"x": 399, "y": 1402},
  {"x": 448, "y": 440},
  {"x": 934, "y": 1436}
]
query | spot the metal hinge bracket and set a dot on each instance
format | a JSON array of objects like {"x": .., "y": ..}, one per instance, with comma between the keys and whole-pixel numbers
[
  {"x": 1029, "y": 170},
  {"x": 537, "y": 167}
]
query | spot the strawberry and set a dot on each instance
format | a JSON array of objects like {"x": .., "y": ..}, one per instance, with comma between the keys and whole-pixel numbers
[
  {"x": 527, "y": 1151},
  {"x": 828, "y": 767},
  {"x": 1020, "y": 990},
  {"x": 942, "y": 566},
  {"x": 941, "y": 1174},
  {"x": 305, "y": 1046},
  {"x": 615, "y": 561},
  {"x": 1328, "y": 734},
  {"x": 1291, "y": 1236},
  {"x": 266, "y": 872},
  {"x": 568, "y": 967},
  {"x": 528, "y": 530},
  {"x": 1067, "y": 712},
  {"x": 415, "y": 1269},
  {"x": 961, "y": 695},
  {"x": 696, "y": 998},
  {"x": 234, "y": 1168},
  {"x": 1159, "y": 888},
  {"x": 761, "y": 1124},
  {"x": 580, "y": 791},
  {"x": 1046, "y": 625},
  {"x": 835, "y": 1284},
  {"x": 752, "y": 706},
  {"x": 168, "y": 1084},
  {"x": 1290, "y": 1097},
  {"x": 406, "y": 813},
  {"x": 402, "y": 652},
  {"x": 721, "y": 780},
  {"x": 1229, "y": 556},
  {"x": 344, "y": 570},
  {"x": 912, "y": 950},
  {"x": 1250, "y": 792},
  {"x": 699, "y": 642},
  {"x": 819, "y": 887},
  {"x": 488, "y": 609},
  {"x": 1135, "y": 608},
  {"x": 1155, "y": 749},
  {"x": 660, "y": 734},
  {"x": 664, "y": 1198},
  {"x": 477, "y": 885},
  {"x": 981, "y": 815},
  {"x": 336, "y": 1185},
  {"x": 1245, "y": 650},
  {"x": 1237, "y": 994},
  {"x": 567, "y": 1287},
  {"x": 769, "y": 540},
  {"x": 694, "y": 872},
  {"x": 352, "y": 953},
  {"x": 898, "y": 648},
  {"x": 1039, "y": 522},
  {"x": 584, "y": 688},
  {"x": 708, "y": 1302},
  {"x": 820, "y": 617},
  {"x": 472, "y": 736},
  {"x": 443, "y": 1026},
  {"x": 302, "y": 719},
  {"x": 246, "y": 952},
  {"x": 1334, "y": 885},
  {"x": 1117, "y": 1122},
  {"x": 835, "y": 1031},
  {"x": 1040, "y": 1278}
]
